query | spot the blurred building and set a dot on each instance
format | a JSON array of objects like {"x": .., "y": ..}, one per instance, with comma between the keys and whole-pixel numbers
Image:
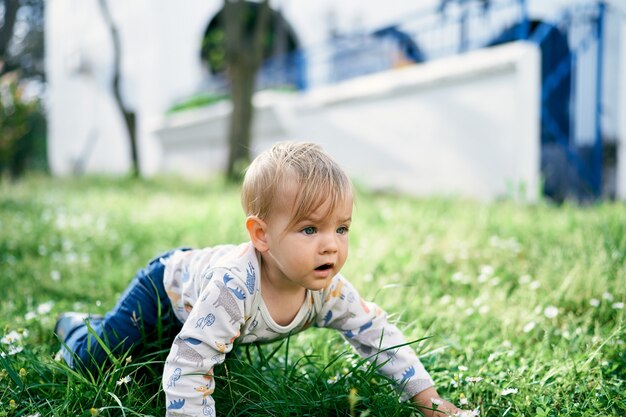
[{"x": 473, "y": 98}]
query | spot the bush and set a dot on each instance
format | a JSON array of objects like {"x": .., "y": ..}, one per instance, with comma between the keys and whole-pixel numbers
[{"x": 22, "y": 130}]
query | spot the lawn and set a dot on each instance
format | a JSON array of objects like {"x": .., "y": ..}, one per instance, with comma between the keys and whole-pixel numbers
[{"x": 514, "y": 309}]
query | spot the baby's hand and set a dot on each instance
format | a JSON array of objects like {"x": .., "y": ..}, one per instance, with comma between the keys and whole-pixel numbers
[
  {"x": 467, "y": 413},
  {"x": 441, "y": 407},
  {"x": 432, "y": 405}
]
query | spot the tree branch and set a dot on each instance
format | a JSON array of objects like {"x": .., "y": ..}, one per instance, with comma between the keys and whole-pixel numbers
[
  {"x": 128, "y": 116},
  {"x": 6, "y": 31},
  {"x": 106, "y": 13}
]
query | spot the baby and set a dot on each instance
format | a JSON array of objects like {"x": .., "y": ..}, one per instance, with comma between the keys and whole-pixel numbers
[{"x": 286, "y": 278}]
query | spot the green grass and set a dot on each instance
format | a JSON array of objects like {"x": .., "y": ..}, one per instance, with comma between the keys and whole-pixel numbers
[
  {"x": 526, "y": 298},
  {"x": 197, "y": 101}
]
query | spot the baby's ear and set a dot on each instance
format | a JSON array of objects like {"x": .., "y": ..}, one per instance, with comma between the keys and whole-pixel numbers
[{"x": 256, "y": 230}]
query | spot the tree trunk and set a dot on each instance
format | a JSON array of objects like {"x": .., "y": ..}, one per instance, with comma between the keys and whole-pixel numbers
[
  {"x": 127, "y": 115},
  {"x": 240, "y": 126},
  {"x": 244, "y": 54}
]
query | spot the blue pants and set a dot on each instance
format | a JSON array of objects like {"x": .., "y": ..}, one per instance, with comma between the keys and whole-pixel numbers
[{"x": 142, "y": 313}]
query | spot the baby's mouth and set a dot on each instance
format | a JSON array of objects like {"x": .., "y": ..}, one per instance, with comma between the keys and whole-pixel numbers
[{"x": 324, "y": 267}]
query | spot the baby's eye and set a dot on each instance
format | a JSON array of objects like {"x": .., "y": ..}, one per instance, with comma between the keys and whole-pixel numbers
[
  {"x": 308, "y": 230},
  {"x": 342, "y": 230}
]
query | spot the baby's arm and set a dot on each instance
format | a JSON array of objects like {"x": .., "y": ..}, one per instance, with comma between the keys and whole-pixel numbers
[
  {"x": 366, "y": 327},
  {"x": 203, "y": 342}
]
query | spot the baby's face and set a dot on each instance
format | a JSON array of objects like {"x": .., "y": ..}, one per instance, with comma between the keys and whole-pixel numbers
[{"x": 312, "y": 251}]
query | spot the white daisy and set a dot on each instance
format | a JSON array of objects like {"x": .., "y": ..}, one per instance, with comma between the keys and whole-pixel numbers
[
  {"x": 529, "y": 326},
  {"x": 124, "y": 380},
  {"x": 45, "y": 308},
  {"x": 551, "y": 312}
]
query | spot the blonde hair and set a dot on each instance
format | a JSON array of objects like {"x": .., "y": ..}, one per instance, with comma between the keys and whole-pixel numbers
[{"x": 317, "y": 176}]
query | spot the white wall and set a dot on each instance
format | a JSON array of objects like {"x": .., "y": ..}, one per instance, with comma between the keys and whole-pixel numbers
[
  {"x": 171, "y": 69},
  {"x": 467, "y": 125},
  {"x": 160, "y": 64},
  {"x": 83, "y": 121}
]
